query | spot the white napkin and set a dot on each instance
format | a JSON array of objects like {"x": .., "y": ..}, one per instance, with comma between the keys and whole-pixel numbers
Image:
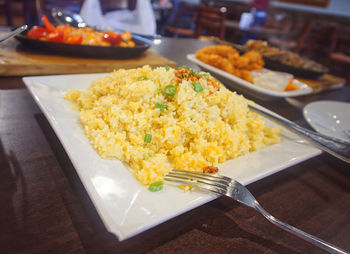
[{"x": 141, "y": 20}]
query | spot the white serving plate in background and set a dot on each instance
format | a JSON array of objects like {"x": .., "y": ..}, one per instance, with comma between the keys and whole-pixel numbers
[{"x": 244, "y": 86}]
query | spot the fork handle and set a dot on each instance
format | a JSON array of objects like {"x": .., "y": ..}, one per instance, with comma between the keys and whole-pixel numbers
[
  {"x": 299, "y": 233},
  {"x": 14, "y": 32},
  {"x": 333, "y": 146}
]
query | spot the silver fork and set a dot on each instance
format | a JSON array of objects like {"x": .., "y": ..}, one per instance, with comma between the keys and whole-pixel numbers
[{"x": 231, "y": 188}]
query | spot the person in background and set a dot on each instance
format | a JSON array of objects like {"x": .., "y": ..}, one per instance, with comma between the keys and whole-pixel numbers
[
  {"x": 258, "y": 13},
  {"x": 141, "y": 20},
  {"x": 259, "y": 10},
  {"x": 184, "y": 23},
  {"x": 163, "y": 3}
]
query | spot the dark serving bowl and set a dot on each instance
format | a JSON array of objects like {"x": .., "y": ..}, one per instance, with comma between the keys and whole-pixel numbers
[
  {"x": 274, "y": 64},
  {"x": 111, "y": 52}
]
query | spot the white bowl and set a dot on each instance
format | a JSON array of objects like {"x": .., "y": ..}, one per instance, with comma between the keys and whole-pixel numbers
[{"x": 331, "y": 118}]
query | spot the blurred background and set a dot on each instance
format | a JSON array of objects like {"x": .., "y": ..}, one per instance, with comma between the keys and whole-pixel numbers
[{"x": 317, "y": 29}]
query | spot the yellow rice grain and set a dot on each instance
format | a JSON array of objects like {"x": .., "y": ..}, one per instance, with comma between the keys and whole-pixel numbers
[{"x": 196, "y": 129}]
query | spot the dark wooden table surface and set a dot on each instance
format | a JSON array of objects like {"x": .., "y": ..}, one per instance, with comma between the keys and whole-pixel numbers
[{"x": 44, "y": 207}]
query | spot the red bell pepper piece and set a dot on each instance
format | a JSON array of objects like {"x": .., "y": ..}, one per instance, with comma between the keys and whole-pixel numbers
[
  {"x": 56, "y": 36},
  {"x": 74, "y": 39},
  {"x": 112, "y": 37},
  {"x": 51, "y": 28},
  {"x": 37, "y": 32}
]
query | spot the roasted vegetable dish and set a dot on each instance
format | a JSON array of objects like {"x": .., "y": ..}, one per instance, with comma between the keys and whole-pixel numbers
[{"x": 80, "y": 36}]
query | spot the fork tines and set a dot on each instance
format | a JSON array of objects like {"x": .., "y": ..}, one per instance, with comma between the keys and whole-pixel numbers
[{"x": 215, "y": 183}]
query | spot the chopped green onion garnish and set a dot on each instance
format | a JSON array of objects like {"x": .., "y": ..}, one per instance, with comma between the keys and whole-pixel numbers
[
  {"x": 148, "y": 138},
  {"x": 184, "y": 67},
  {"x": 161, "y": 106},
  {"x": 147, "y": 155},
  {"x": 167, "y": 67},
  {"x": 194, "y": 72},
  {"x": 197, "y": 87},
  {"x": 203, "y": 75},
  {"x": 185, "y": 74},
  {"x": 170, "y": 90},
  {"x": 156, "y": 186},
  {"x": 143, "y": 77}
]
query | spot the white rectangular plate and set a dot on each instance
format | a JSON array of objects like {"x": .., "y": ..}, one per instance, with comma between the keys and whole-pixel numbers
[
  {"x": 245, "y": 86},
  {"x": 125, "y": 206}
]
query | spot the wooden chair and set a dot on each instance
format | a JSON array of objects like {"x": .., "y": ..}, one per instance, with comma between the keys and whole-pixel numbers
[
  {"x": 294, "y": 38},
  {"x": 15, "y": 9},
  {"x": 339, "y": 51},
  {"x": 185, "y": 12},
  {"x": 6, "y": 5},
  {"x": 211, "y": 21}
]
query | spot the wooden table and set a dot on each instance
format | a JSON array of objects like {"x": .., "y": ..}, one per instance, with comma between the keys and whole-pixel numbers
[{"x": 45, "y": 208}]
